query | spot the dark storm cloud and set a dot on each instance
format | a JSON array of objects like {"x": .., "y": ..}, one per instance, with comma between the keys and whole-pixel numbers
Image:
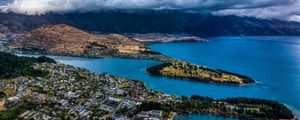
[{"x": 256, "y": 8}]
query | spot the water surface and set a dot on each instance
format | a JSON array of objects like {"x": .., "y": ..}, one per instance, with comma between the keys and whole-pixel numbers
[
  {"x": 273, "y": 61},
  {"x": 202, "y": 117}
]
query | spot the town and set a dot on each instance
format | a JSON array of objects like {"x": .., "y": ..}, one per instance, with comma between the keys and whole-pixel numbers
[
  {"x": 74, "y": 93},
  {"x": 68, "y": 92}
]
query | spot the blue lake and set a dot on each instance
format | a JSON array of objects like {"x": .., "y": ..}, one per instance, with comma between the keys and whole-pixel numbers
[
  {"x": 202, "y": 117},
  {"x": 273, "y": 61}
]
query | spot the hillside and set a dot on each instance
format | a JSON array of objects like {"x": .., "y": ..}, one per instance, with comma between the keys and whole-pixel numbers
[
  {"x": 152, "y": 22},
  {"x": 66, "y": 40}
]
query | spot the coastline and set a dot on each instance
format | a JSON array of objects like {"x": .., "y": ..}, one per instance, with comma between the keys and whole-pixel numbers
[
  {"x": 159, "y": 58},
  {"x": 295, "y": 112},
  {"x": 155, "y": 57},
  {"x": 221, "y": 115},
  {"x": 173, "y": 41},
  {"x": 191, "y": 114},
  {"x": 173, "y": 115},
  {"x": 213, "y": 101},
  {"x": 152, "y": 38}
]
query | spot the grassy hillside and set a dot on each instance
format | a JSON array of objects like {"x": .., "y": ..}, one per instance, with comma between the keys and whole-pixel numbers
[{"x": 183, "y": 70}]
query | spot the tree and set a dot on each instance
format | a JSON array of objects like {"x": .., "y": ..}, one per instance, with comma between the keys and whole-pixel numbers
[{"x": 2, "y": 94}]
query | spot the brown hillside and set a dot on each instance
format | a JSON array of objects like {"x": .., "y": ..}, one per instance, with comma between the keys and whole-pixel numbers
[{"x": 64, "y": 39}]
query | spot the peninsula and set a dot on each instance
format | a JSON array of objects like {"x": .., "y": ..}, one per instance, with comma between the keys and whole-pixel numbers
[
  {"x": 187, "y": 71},
  {"x": 163, "y": 38}
]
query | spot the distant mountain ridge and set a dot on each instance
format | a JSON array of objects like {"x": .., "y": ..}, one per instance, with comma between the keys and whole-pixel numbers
[{"x": 152, "y": 22}]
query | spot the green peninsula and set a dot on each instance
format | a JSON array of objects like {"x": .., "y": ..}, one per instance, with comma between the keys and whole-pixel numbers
[{"x": 187, "y": 71}]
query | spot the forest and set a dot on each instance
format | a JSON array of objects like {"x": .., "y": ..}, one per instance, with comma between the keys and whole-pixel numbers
[
  {"x": 15, "y": 66},
  {"x": 235, "y": 107}
]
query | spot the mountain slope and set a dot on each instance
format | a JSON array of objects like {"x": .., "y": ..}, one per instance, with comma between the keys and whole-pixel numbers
[
  {"x": 66, "y": 40},
  {"x": 149, "y": 22}
]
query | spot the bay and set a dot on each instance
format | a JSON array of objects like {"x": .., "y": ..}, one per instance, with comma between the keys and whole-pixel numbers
[{"x": 273, "y": 61}]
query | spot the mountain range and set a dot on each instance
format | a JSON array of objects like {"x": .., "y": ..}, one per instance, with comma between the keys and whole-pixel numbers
[{"x": 171, "y": 22}]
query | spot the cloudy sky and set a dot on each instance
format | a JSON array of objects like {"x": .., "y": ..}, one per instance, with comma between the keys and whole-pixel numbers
[{"x": 278, "y": 9}]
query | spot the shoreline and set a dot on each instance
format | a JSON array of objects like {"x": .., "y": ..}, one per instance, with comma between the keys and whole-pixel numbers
[
  {"x": 180, "y": 102},
  {"x": 171, "y": 41},
  {"x": 222, "y": 115},
  {"x": 157, "y": 58},
  {"x": 153, "y": 57},
  {"x": 295, "y": 112},
  {"x": 174, "y": 114},
  {"x": 190, "y": 114},
  {"x": 151, "y": 38}
]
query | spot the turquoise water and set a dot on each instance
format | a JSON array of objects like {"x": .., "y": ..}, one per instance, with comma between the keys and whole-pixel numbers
[
  {"x": 273, "y": 61},
  {"x": 202, "y": 117}
]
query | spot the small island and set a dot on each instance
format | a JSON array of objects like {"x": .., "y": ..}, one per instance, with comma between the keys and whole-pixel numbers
[{"x": 187, "y": 71}]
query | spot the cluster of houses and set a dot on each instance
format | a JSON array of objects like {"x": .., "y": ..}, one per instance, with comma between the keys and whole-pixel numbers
[
  {"x": 150, "y": 115},
  {"x": 74, "y": 93},
  {"x": 28, "y": 115},
  {"x": 5, "y": 38}
]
